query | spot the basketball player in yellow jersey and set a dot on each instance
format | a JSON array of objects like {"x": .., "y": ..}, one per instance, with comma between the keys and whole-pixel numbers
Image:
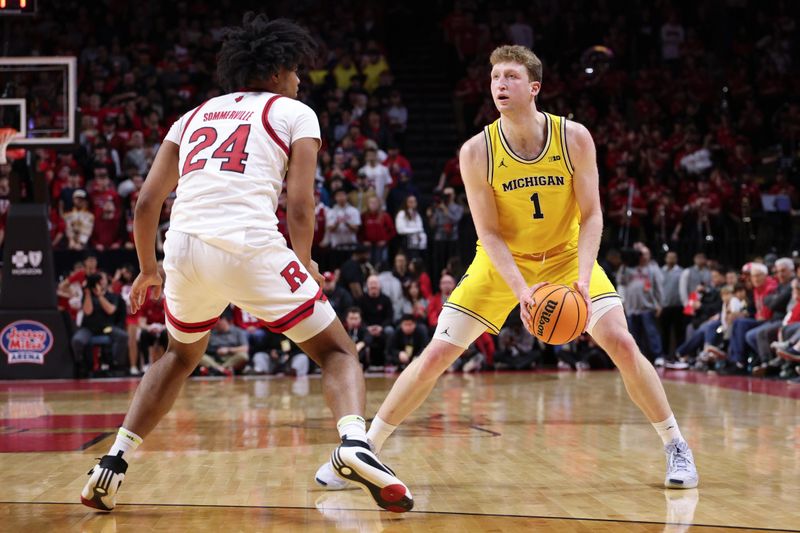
[{"x": 532, "y": 185}]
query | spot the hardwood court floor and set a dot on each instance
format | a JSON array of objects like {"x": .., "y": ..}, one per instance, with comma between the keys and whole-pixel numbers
[{"x": 492, "y": 452}]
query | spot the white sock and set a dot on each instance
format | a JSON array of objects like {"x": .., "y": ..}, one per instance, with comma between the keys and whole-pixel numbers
[
  {"x": 378, "y": 432},
  {"x": 668, "y": 430},
  {"x": 352, "y": 427},
  {"x": 126, "y": 442}
]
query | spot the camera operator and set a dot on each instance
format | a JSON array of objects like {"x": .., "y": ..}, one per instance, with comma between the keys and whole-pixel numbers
[{"x": 101, "y": 312}]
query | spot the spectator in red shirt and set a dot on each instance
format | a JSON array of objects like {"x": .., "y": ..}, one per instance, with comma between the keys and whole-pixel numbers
[
  {"x": 435, "y": 303},
  {"x": 451, "y": 175},
  {"x": 763, "y": 285},
  {"x": 152, "y": 330},
  {"x": 377, "y": 229},
  {"x": 395, "y": 158},
  {"x": 254, "y": 326},
  {"x": 101, "y": 188},
  {"x": 107, "y": 233},
  {"x": 626, "y": 209}
]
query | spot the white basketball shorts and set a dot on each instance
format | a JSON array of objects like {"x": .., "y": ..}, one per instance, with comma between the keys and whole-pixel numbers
[{"x": 269, "y": 282}]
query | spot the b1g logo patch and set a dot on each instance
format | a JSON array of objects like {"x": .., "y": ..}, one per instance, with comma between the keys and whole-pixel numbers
[{"x": 26, "y": 341}]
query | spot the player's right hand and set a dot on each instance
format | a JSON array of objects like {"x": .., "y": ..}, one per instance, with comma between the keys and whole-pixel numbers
[
  {"x": 527, "y": 305},
  {"x": 139, "y": 289}
]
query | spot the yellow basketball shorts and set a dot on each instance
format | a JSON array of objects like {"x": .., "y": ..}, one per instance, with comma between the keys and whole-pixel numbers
[{"x": 484, "y": 295}]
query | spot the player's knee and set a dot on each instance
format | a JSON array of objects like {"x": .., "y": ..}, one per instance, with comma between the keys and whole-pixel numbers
[
  {"x": 434, "y": 361},
  {"x": 623, "y": 349}
]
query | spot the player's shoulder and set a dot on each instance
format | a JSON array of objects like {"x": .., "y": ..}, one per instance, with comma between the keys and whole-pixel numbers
[
  {"x": 474, "y": 149},
  {"x": 577, "y": 134},
  {"x": 293, "y": 106}
]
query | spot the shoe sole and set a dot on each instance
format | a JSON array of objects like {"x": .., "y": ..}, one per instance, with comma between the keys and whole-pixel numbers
[
  {"x": 677, "y": 484},
  {"x": 95, "y": 503},
  {"x": 391, "y": 497}
]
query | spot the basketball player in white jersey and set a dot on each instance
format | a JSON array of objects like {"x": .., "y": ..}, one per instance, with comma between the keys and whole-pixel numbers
[{"x": 228, "y": 159}]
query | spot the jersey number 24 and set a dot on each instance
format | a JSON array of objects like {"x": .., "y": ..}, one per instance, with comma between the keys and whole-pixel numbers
[{"x": 230, "y": 152}]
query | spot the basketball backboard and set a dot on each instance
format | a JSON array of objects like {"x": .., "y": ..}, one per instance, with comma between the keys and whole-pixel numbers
[{"x": 38, "y": 97}]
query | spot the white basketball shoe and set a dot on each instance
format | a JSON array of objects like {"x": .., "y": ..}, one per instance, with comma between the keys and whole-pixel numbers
[
  {"x": 681, "y": 470},
  {"x": 354, "y": 461},
  {"x": 105, "y": 479}
]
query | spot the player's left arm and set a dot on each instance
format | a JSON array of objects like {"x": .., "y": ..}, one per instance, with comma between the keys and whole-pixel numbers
[
  {"x": 161, "y": 180},
  {"x": 585, "y": 183}
]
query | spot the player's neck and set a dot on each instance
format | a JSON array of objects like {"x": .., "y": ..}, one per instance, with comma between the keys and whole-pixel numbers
[{"x": 526, "y": 129}]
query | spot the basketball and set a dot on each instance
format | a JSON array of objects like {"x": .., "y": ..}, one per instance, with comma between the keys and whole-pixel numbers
[{"x": 559, "y": 315}]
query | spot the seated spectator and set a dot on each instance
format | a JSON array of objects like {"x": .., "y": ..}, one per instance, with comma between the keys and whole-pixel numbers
[
  {"x": 406, "y": 343},
  {"x": 400, "y": 269},
  {"x": 153, "y": 337},
  {"x": 254, "y": 327},
  {"x": 515, "y": 346},
  {"x": 280, "y": 356},
  {"x": 715, "y": 331},
  {"x": 391, "y": 287},
  {"x": 378, "y": 315},
  {"x": 418, "y": 273},
  {"x": 736, "y": 354},
  {"x": 760, "y": 338},
  {"x": 107, "y": 232},
  {"x": 415, "y": 304},
  {"x": 339, "y": 297},
  {"x": 355, "y": 270},
  {"x": 358, "y": 333},
  {"x": 79, "y": 222},
  {"x": 100, "y": 317},
  {"x": 435, "y": 303},
  {"x": 582, "y": 354},
  {"x": 227, "y": 348}
]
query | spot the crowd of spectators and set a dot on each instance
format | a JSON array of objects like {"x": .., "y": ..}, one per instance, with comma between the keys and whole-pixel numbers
[{"x": 697, "y": 138}]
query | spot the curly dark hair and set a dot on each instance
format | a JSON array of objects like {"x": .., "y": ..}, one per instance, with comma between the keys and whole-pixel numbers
[{"x": 259, "y": 48}]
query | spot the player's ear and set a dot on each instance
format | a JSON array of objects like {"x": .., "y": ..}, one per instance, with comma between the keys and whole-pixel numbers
[{"x": 536, "y": 86}]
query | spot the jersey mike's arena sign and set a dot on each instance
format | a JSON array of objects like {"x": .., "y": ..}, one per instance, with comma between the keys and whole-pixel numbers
[{"x": 26, "y": 341}]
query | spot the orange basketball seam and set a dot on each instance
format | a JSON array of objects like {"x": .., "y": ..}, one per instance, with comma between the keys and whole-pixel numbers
[
  {"x": 560, "y": 309},
  {"x": 539, "y": 307},
  {"x": 578, "y": 323}
]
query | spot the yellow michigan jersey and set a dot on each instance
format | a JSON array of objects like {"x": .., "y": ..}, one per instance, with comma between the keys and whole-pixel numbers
[{"x": 539, "y": 220}]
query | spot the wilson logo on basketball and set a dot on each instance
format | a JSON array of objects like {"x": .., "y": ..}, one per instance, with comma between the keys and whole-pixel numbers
[
  {"x": 547, "y": 312},
  {"x": 26, "y": 341}
]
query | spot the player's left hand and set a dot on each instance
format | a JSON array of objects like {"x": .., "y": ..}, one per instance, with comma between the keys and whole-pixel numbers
[
  {"x": 313, "y": 269},
  {"x": 583, "y": 290}
]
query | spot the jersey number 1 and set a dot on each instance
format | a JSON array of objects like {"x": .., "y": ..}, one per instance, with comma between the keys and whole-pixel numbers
[
  {"x": 537, "y": 209},
  {"x": 231, "y": 151}
]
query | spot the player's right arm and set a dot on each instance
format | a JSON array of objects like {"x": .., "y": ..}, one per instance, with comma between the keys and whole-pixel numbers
[
  {"x": 161, "y": 180},
  {"x": 301, "y": 205},
  {"x": 474, "y": 164}
]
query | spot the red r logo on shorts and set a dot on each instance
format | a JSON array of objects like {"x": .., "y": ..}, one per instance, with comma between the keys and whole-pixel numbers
[{"x": 294, "y": 276}]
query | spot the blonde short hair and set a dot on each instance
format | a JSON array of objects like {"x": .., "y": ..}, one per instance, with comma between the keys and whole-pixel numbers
[{"x": 521, "y": 55}]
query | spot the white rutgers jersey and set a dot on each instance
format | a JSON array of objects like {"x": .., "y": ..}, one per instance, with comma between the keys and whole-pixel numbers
[{"x": 234, "y": 154}]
